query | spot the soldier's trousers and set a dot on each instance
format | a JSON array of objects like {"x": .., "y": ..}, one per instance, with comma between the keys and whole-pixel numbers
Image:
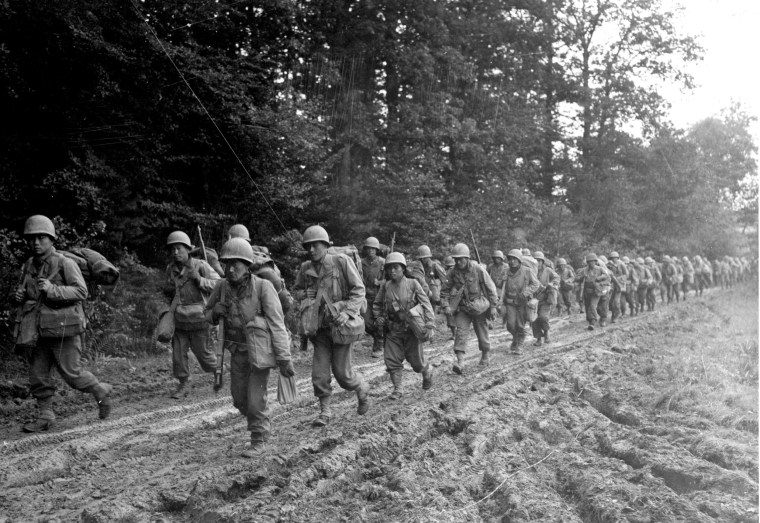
[
  {"x": 195, "y": 340},
  {"x": 615, "y": 303},
  {"x": 328, "y": 356},
  {"x": 541, "y": 325},
  {"x": 248, "y": 385},
  {"x": 403, "y": 345},
  {"x": 565, "y": 299},
  {"x": 641, "y": 296},
  {"x": 651, "y": 298},
  {"x": 370, "y": 326},
  {"x": 515, "y": 316},
  {"x": 596, "y": 306},
  {"x": 65, "y": 355},
  {"x": 673, "y": 292},
  {"x": 480, "y": 326}
]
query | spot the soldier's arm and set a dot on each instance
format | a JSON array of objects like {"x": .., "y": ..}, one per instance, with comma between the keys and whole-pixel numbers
[
  {"x": 356, "y": 291},
  {"x": 533, "y": 284},
  {"x": 378, "y": 306},
  {"x": 212, "y": 300},
  {"x": 446, "y": 289},
  {"x": 207, "y": 277},
  {"x": 74, "y": 287},
  {"x": 270, "y": 305},
  {"x": 553, "y": 279},
  {"x": 422, "y": 298},
  {"x": 491, "y": 293}
]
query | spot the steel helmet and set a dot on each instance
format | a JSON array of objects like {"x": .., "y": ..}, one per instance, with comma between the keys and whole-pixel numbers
[
  {"x": 372, "y": 242},
  {"x": 648, "y": 259},
  {"x": 315, "y": 233},
  {"x": 39, "y": 224},
  {"x": 640, "y": 260},
  {"x": 614, "y": 254},
  {"x": 516, "y": 254},
  {"x": 423, "y": 251},
  {"x": 497, "y": 254},
  {"x": 561, "y": 261},
  {"x": 448, "y": 261},
  {"x": 667, "y": 259},
  {"x": 526, "y": 252},
  {"x": 460, "y": 250},
  {"x": 538, "y": 255},
  {"x": 395, "y": 257},
  {"x": 179, "y": 237},
  {"x": 239, "y": 231},
  {"x": 625, "y": 259},
  {"x": 237, "y": 249},
  {"x": 603, "y": 259},
  {"x": 685, "y": 258},
  {"x": 591, "y": 257}
]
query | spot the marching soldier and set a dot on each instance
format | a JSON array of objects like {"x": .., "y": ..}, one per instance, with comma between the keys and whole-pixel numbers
[
  {"x": 595, "y": 281},
  {"x": 254, "y": 333},
  {"x": 395, "y": 298},
  {"x": 688, "y": 276},
  {"x": 619, "y": 280},
  {"x": 566, "y": 284},
  {"x": 189, "y": 281},
  {"x": 670, "y": 278},
  {"x": 645, "y": 280},
  {"x": 497, "y": 270},
  {"x": 628, "y": 296},
  {"x": 51, "y": 324},
  {"x": 435, "y": 274},
  {"x": 521, "y": 285},
  {"x": 656, "y": 280},
  {"x": 448, "y": 264},
  {"x": 470, "y": 296},
  {"x": 372, "y": 275},
  {"x": 331, "y": 278},
  {"x": 547, "y": 298}
]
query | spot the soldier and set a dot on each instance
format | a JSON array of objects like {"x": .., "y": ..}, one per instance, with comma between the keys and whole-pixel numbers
[
  {"x": 470, "y": 296},
  {"x": 435, "y": 274},
  {"x": 51, "y": 323},
  {"x": 700, "y": 275},
  {"x": 391, "y": 307},
  {"x": 497, "y": 270},
  {"x": 645, "y": 279},
  {"x": 521, "y": 285},
  {"x": 331, "y": 278},
  {"x": 448, "y": 264},
  {"x": 619, "y": 280},
  {"x": 372, "y": 275},
  {"x": 670, "y": 278},
  {"x": 566, "y": 284},
  {"x": 546, "y": 296},
  {"x": 654, "y": 283},
  {"x": 596, "y": 288},
  {"x": 579, "y": 285},
  {"x": 255, "y": 335},
  {"x": 688, "y": 276},
  {"x": 529, "y": 261},
  {"x": 188, "y": 282},
  {"x": 628, "y": 296}
]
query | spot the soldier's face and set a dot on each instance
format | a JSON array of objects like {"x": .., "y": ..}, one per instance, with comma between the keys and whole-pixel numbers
[
  {"x": 461, "y": 263},
  {"x": 40, "y": 244},
  {"x": 371, "y": 252},
  {"x": 591, "y": 263},
  {"x": 180, "y": 254},
  {"x": 396, "y": 271},
  {"x": 236, "y": 269},
  {"x": 514, "y": 263},
  {"x": 317, "y": 251},
  {"x": 497, "y": 261}
]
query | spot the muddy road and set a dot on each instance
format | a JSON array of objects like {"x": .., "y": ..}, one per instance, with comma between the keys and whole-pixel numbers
[{"x": 653, "y": 418}]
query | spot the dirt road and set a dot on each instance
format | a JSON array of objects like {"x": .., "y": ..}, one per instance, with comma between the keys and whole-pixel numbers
[{"x": 651, "y": 419}]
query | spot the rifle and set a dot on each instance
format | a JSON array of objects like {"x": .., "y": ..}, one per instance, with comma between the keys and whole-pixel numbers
[
  {"x": 219, "y": 371},
  {"x": 477, "y": 254},
  {"x": 393, "y": 242}
]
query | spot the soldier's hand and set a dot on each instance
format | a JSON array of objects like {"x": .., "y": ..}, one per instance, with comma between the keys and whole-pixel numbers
[
  {"x": 493, "y": 314},
  {"x": 19, "y": 294},
  {"x": 220, "y": 310},
  {"x": 192, "y": 273},
  {"x": 311, "y": 293},
  {"x": 43, "y": 284},
  {"x": 447, "y": 310},
  {"x": 341, "y": 319},
  {"x": 286, "y": 368}
]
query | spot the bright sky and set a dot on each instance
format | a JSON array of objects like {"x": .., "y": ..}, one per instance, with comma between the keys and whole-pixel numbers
[{"x": 730, "y": 69}]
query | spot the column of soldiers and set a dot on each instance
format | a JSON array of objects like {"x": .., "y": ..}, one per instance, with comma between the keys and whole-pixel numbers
[{"x": 248, "y": 299}]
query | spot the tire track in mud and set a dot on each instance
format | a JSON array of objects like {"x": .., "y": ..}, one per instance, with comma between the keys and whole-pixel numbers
[{"x": 189, "y": 473}]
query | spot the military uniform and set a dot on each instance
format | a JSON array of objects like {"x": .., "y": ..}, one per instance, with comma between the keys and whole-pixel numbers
[
  {"x": 566, "y": 284},
  {"x": 596, "y": 287},
  {"x": 521, "y": 284},
  {"x": 547, "y": 299},
  {"x": 372, "y": 276},
  {"x": 619, "y": 280},
  {"x": 656, "y": 280}
]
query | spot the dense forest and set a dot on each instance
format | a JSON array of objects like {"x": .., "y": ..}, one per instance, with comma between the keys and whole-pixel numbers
[{"x": 532, "y": 123}]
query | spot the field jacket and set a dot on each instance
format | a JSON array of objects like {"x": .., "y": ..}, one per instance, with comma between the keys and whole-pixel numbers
[
  {"x": 372, "y": 271},
  {"x": 521, "y": 286},
  {"x": 474, "y": 281},
  {"x": 394, "y": 300},
  {"x": 549, "y": 280},
  {"x": 595, "y": 280}
]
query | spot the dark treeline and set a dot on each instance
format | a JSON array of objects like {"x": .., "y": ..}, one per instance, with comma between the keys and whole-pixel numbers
[{"x": 530, "y": 122}]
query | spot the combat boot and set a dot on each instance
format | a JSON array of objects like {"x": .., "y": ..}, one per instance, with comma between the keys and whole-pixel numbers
[
  {"x": 458, "y": 366},
  {"x": 181, "y": 389},
  {"x": 546, "y": 339},
  {"x": 362, "y": 395},
  {"x": 377, "y": 347},
  {"x": 485, "y": 359},
  {"x": 44, "y": 422},
  {"x": 102, "y": 393},
  {"x": 396, "y": 380},
  {"x": 518, "y": 345},
  {"x": 324, "y": 412},
  {"x": 427, "y": 378},
  {"x": 256, "y": 448},
  {"x": 538, "y": 342}
]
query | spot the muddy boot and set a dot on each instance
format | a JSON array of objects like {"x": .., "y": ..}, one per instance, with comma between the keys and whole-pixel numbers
[
  {"x": 324, "y": 412},
  {"x": 538, "y": 342},
  {"x": 427, "y": 378},
  {"x": 590, "y": 326},
  {"x": 546, "y": 339},
  {"x": 518, "y": 349},
  {"x": 102, "y": 393},
  {"x": 458, "y": 366},
  {"x": 362, "y": 395},
  {"x": 377, "y": 347},
  {"x": 256, "y": 448},
  {"x": 485, "y": 359},
  {"x": 396, "y": 380},
  {"x": 181, "y": 389},
  {"x": 44, "y": 422},
  {"x": 602, "y": 323},
  {"x": 453, "y": 333}
]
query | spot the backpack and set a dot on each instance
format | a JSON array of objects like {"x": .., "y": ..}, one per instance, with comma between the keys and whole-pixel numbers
[
  {"x": 352, "y": 253},
  {"x": 95, "y": 268}
]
